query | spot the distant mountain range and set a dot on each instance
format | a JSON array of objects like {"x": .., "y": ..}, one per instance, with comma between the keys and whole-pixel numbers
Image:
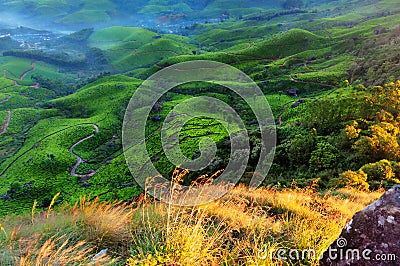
[{"x": 83, "y": 13}]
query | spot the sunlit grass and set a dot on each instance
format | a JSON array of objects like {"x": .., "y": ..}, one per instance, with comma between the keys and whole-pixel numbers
[{"x": 242, "y": 228}]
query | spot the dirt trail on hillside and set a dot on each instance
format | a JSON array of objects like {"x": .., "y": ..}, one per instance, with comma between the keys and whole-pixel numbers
[
  {"x": 79, "y": 160},
  {"x": 6, "y": 99},
  {"x": 294, "y": 59},
  {"x": 22, "y": 76},
  {"x": 5, "y": 125},
  {"x": 281, "y": 116},
  {"x": 312, "y": 82},
  {"x": 35, "y": 146},
  {"x": 36, "y": 85}
]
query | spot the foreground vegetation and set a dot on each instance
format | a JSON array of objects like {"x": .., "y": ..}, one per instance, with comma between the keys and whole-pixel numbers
[{"x": 243, "y": 228}]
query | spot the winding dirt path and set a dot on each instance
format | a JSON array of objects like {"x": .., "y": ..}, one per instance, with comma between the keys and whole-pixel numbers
[
  {"x": 281, "y": 116},
  {"x": 79, "y": 160},
  {"x": 290, "y": 59},
  {"x": 18, "y": 157},
  {"x": 36, "y": 85},
  {"x": 312, "y": 82},
  {"x": 22, "y": 76},
  {"x": 6, "y": 124},
  {"x": 8, "y": 96}
]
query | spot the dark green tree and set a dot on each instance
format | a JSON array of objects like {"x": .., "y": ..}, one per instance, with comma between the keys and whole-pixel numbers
[{"x": 290, "y": 4}]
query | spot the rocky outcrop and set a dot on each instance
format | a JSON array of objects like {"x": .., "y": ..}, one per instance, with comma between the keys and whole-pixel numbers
[
  {"x": 292, "y": 92},
  {"x": 296, "y": 104},
  {"x": 372, "y": 237}
]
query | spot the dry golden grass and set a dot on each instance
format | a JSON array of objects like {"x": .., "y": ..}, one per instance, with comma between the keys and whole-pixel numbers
[
  {"x": 243, "y": 228},
  {"x": 106, "y": 225},
  {"x": 57, "y": 251},
  {"x": 71, "y": 236},
  {"x": 235, "y": 229}
]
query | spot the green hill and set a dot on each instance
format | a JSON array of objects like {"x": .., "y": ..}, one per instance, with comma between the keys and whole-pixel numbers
[
  {"x": 130, "y": 48},
  {"x": 108, "y": 37}
]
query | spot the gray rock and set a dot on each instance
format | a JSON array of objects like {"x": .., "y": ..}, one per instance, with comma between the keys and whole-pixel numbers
[
  {"x": 156, "y": 118},
  {"x": 296, "y": 104},
  {"x": 372, "y": 237},
  {"x": 293, "y": 92},
  {"x": 5, "y": 197}
]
